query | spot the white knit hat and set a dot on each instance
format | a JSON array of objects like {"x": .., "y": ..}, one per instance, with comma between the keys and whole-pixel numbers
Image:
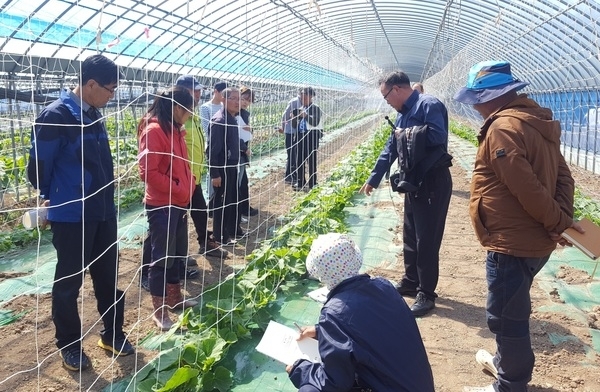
[{"x": 332, "y": 258}]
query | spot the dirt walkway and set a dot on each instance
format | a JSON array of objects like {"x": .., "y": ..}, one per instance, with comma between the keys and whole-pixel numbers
[
  {"x": 452, "y": 333},
  {"x": 457, "y": 328}
]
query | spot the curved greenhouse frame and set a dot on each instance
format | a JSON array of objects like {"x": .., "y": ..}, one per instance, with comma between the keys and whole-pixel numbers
[{"x": 340, "y": 48}]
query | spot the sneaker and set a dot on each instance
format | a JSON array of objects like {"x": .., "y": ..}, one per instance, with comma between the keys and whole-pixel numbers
[
  {"x": 120, "y": 347},
  {"x": 486, "y": 360},
  {"x": 191, "y": 262},
  {"x": 422, "y": 305},
  {"x": 252, "y": 212},
  {"x": 489, "y": 388},
  {"x": 144, "y": 282},
  {"x": 191, "y": 273},
  {"x": 73, "y": 358},
  {"x": 212, "y": 249},
  {"x": 244, "y": 219}
]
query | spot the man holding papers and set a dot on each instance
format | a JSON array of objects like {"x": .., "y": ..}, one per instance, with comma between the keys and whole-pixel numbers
[
  {"x": 367, "y": 335},
  {"x": 521, "y": 200}
]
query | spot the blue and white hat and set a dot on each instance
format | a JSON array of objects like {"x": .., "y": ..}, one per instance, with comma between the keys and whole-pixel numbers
[{"x": 488, "y": 80}]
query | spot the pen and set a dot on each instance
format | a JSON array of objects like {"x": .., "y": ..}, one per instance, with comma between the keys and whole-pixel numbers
[{"x": 297, "y": 326}]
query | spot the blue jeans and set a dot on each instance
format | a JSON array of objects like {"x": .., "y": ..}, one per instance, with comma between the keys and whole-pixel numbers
[{"x": 509, "y": 280}]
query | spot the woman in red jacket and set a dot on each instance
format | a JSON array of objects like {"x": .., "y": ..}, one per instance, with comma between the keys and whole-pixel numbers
[{"x": 164, "y": 168}]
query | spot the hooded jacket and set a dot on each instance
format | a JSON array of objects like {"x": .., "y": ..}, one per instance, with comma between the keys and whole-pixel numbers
[
  {"x": 164, "y": 166},
  {"x": 521, "y": 188}
]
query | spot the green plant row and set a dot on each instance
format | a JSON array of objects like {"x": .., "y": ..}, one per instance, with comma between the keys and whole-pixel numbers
[
  {"x": 237, "y": 306},
  {"x": 584, "y": 205}
]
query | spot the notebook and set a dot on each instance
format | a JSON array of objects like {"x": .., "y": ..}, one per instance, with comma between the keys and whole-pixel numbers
[{"x": 589, "y": 242}]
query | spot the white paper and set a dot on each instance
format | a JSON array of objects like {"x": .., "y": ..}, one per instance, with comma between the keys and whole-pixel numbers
[
  {"x": 245, "y": 135},
  {"x": 319, "y": 295},
  {"x": 279, "y": 342}
]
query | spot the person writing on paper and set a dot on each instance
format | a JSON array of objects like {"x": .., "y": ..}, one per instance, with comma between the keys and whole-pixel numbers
[
  {"x": 367, "y": 335},
  {"x": 521, "y": 199}
]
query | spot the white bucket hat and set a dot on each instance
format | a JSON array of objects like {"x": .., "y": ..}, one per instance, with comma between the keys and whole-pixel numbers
[{"x": 333, "y": 258}]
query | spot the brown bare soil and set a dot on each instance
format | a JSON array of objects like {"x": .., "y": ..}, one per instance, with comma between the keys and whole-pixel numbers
[{"x": 452, "y": 334}]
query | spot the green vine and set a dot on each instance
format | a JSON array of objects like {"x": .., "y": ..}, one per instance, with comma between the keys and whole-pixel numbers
[{"x": 237, "y": 306}]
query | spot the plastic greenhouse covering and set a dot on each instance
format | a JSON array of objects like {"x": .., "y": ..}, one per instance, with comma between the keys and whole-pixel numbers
[{"x": 340, "y": 48}]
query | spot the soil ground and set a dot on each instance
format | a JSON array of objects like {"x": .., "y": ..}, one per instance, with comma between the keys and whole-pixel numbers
[{"x": 452, "y": 334}]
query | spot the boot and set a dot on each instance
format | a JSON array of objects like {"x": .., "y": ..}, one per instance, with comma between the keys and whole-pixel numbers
[
  {"x": 175, "y": 299},
  {"x": 161, "y": 314}
]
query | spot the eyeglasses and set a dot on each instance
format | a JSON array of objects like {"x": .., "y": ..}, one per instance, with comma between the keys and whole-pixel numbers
[
  {"x": 111, "y": 91},
  {"x": 388, "y": 93},
  {"x": 234, "y": 98}
]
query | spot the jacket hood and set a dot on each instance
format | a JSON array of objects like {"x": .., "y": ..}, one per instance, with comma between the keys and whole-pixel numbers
[
  {"x": 152, "y": 122},
  {"x": 528, "y": 111}
]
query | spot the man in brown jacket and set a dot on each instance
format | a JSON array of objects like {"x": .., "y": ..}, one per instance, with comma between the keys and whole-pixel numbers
[{"x": 521, "y": 199}]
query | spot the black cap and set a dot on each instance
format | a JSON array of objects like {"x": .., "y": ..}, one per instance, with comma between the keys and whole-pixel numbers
[{"x": 220, "y": 86}]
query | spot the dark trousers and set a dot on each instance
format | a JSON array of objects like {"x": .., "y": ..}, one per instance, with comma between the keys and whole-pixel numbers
[
  {"x": 167, "y": 229},
  {"x": 305, "y": 153},
  {"x": 508, "y": 310},
  {"x": 313, "y": 137},
  {"x": 424, "y": 220},
  {"x": 301, "y": 154},
  {"x": 225, "y": 215},
  {"x": 290, "y": 165},
  {"x": 91, "y": 245},
  {"x": 244, "y": 192},
  {"x": 199, "y": 214}
]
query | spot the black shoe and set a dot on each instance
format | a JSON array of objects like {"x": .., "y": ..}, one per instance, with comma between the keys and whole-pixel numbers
[
  {"x": 252, "y": 212},
  {"x": 422, "y": 305},
  {"x": 288, "y": 180},
  {"x": 298, "y": 187},
  {"x": 191, "y": 273},
  {"x": 120, "y": 347},
  {"x": 191, "y": 262},
  {"x": 407, "y": 291},
  {"x": 226, "y": 242},
  {"x": 144, "y": 282},
  {"x": 73, "y": 358},
  {"x": 212, "y": 249},
  {"x": 239, "y": 234}
]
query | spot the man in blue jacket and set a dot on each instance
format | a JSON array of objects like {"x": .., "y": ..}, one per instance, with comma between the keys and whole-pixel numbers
[
  {"x": 368, "y": 338},
  {"x": 424, "y": 210},
  {"x": 71, "y": 164}
]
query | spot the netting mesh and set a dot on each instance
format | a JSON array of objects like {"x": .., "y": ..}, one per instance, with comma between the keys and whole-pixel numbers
[{"x": 273, "y": 47}]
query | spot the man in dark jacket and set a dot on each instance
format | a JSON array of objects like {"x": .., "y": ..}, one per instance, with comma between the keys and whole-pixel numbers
[
  {"x": 368, "y": 338},
  {"x": 223, "y": 161},
  {"x": 71, "y": 164},
  {"x": 521, "y": 199},
  {"x": 425, "y": 210}
]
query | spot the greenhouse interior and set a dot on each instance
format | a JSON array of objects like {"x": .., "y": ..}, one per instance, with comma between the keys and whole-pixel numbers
[{"x": 339, "y": 54}]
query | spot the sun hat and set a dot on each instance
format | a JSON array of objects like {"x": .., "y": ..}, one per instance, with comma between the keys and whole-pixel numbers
[
  {"x": 488, "y": 80},
  {"x": 189, "y": 82},
  {"x": 333, "y": 258}
]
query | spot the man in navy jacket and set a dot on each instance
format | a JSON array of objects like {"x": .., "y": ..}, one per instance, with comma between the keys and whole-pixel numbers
[
  {"x": 368, "y": 337},
  {"x": 424, "y": 210},
  {"x": 71, "y": 164}
]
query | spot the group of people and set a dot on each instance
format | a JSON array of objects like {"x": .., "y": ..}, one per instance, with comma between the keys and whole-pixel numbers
[
  {"x": 301, "y": 125},
  {"x": 71, "y": 164},
  {"x": 521, "y": 200}
]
